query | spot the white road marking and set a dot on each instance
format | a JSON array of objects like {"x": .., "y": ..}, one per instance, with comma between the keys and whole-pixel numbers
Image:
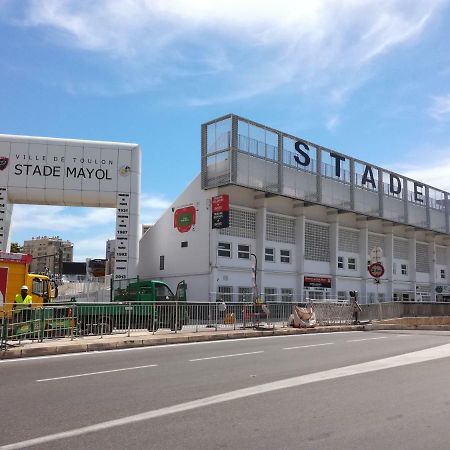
[
  {"x": 308, "y": 346},
  {"x": 430, "y": 354},
  {"x": 95, "y": 373},
  {"x": 367, "y": 339},
  {"x": 132, "y": 349},
  {"x": 226, "y": 356}
]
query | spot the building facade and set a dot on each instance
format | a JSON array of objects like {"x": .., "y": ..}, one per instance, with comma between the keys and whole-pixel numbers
[
  {"x": 49, "y": 253},
  {"x": 307, "y": 220}
]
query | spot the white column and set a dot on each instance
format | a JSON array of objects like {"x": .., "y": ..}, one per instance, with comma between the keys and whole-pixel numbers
[
  {"x": 334, "y": 242},
  {"x": 300, "y": 250},
  {"x": 261, "y": 214},
  {"x": 363, "y": 256},
  {"x": 412, "y": 241},
  {"x": 432, "y": 260},
  {"x": 388, "y": 264}
]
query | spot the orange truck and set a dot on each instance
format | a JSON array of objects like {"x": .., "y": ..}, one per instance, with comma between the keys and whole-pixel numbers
[{"x": 13, "y": 275}]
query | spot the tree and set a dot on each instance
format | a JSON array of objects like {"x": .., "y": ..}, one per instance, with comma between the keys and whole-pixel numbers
[{"x": 16, "y": 248}]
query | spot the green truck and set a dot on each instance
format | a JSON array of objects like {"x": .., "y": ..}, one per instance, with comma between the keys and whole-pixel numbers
[{"x": 140, "y": 304}]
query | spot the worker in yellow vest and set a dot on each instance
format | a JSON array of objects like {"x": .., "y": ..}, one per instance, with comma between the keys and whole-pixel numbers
[{"x": 22, "y": 302}]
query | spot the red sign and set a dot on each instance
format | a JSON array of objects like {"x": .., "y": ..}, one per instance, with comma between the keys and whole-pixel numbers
[
  {"x": 376, "y": 270},
  {"x": 221, "y": 203},
  {"x": 16, "y": 257},
  {"x": 184, "y": 218},
  {"x": 322, "y": 282}
]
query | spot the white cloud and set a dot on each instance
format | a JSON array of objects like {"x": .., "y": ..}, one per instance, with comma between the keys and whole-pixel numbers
[
  {"x": 333, "y": 122},
  {"x": 258, "y": 45},
  {"x": 440, "y": 109}
]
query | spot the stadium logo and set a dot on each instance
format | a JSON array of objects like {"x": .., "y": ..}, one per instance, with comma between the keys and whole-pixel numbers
[{"x": 3, "y": 162}]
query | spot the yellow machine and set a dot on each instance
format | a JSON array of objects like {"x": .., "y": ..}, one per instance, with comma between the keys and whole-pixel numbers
[{"x": 13, "y": 275}]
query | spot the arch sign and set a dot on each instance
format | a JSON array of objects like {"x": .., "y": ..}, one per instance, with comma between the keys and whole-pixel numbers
[{"x": 48, "y": 171}]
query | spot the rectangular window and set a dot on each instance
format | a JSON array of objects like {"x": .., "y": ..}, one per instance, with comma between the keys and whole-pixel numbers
[
  {"x": 442, "y": 274},
  {"x": 351, "y": 263},
  {"x": 161, "y": 262},
  {"x": 224, "y": 294},
  {"x": 224, "y": 249},
  {"x": 184, "y": 244},
  {"x": 243, "y": 251},
  {"x": 342, "y": 295},
  {"x": 269, "y": 255},
  {"x": 270, "y": 294},
  {"x": 340, "y": 262},
  {"x": 287, "y": 295},
  {"x": 245, "y": 294},
  {"x": 285, "y": 256},
  {"x": 404, "y": 269}
]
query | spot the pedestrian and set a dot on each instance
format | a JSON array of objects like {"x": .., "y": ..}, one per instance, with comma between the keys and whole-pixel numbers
[
  {"x": 356, "y": 308},
  {"x": 23, "y": 302}
]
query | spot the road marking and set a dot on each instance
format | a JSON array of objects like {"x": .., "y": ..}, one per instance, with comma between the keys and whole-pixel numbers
[
  {"x": 308, "y": 346},
  {"x": 226, "y": 356},
  {"x": 367, "y": 339},
  {"x": 181, "y": 344},
  {"x": 96, "y": 373},
  {"x": 430, "y": 354}
]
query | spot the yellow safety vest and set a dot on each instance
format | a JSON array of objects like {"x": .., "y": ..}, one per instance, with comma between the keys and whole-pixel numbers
[{"x": 22, "y": 303}]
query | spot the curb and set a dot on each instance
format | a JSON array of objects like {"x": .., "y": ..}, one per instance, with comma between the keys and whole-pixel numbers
[{"x": 79, "y": 347}]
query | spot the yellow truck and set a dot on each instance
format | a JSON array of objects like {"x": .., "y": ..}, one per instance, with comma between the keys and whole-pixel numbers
[{"x": 13, "y": 275}]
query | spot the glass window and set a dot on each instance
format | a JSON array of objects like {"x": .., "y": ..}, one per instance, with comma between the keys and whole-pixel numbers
[
  {"x": 269, "y": 254},
  {"x": 243, "y": 251},
  {"x": 404, "y": 269},
  {"x": 443, "y": 274},
  {"x": 340, "y": 262},
  {"x": 161, "y": 262},
  {"x": 287, "y": 295},
  {"x": 224, "y": 294},
  {"x": 163, "y": 293},
  {"x": 285, "y": 256},
  {"x": 245, "y": 294},
  {"x": 224, "y": 249},
  {"x": 351, "y": 263},
  {"x": 270, "y": 294}
]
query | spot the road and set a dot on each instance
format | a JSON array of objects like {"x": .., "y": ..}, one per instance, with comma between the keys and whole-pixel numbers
[{"x": 356, "y": 390}]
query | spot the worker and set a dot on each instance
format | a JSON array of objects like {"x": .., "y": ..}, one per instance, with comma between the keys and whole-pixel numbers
[{"x": 22, "y": 302}]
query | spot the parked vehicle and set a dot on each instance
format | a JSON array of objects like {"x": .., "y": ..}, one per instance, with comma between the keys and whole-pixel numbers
[{"x": 148, "y": 304}]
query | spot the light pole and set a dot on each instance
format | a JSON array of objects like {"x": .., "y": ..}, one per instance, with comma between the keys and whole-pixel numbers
[{"x": 254, "y": 272}]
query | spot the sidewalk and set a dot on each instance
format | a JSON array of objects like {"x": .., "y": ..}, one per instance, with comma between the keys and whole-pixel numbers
[{"x": 147, "y": 339}]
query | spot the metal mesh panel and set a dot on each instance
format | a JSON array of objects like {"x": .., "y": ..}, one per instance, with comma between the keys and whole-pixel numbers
[
  {"x": 375, "y": 240},
  {"x": 317, "y": 242},
  {"x": 441, "y": 256},
  {"x": 242, "y": 224},
  {"x": 348, "y": 240},
  {"x": 422, "y": 259},
  {"x": 401, "y": 250},
  {"x": 280, "y": 229}
]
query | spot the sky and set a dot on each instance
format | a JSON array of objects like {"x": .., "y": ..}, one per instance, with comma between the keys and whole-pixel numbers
[{"x": 368, "y": 78}]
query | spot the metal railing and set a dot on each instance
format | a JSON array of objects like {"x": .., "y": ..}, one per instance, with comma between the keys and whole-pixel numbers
[{"x": 72, "y": 320}]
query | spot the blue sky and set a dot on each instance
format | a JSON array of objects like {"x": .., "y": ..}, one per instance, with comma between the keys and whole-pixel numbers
[{"x": 368, "y": 78}]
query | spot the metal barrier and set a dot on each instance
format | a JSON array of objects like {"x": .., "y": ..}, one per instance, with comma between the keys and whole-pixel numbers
[{"x": 83, "y": 319}]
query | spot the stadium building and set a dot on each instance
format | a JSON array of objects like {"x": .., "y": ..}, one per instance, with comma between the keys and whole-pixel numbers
[{"x": 307, "y": 220}]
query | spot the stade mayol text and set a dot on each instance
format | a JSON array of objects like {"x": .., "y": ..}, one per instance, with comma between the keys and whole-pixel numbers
[{"x": 57, "y": 171}]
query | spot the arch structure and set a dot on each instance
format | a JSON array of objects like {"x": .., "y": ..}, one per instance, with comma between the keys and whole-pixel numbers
[{"x": 69, "y": 172}]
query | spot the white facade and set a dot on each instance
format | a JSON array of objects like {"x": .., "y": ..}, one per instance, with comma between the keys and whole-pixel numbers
[
  {"x": 313, "y": 233},
  {"x": 48, "y": 171}
]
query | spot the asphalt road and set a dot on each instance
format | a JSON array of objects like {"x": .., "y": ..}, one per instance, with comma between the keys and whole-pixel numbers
[{"x": 356, "y": 390}]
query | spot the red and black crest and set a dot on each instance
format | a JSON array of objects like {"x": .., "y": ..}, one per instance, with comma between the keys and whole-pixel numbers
[{"x": 3, "y": 162}]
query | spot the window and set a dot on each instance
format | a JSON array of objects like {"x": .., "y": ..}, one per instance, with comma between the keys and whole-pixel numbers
[
  {"x": 161, "y": 262},
  {"x": 270, "y": 294},
  {"x": 404, "y": 269},
  {"x": 163, "y": 293},
  {"x": 287, "y": 295},
  {"x": 184, "y": 244},
  {"x": 285, "y": 256},
  {"x": 224, "y": 249},
  {"x": 351, "y": 263},
  {"x": 224, "y": 294},
  {"x": 269, "y": 255},
  {"x": 442, "y": 274},
  {"x": 394, "y": 268},
  {"x": 342, "y": 295},
  {"x": 245, "y": 294},
  {"x": 243, "y": 251},
  {"x": 340, "y": 262}
]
